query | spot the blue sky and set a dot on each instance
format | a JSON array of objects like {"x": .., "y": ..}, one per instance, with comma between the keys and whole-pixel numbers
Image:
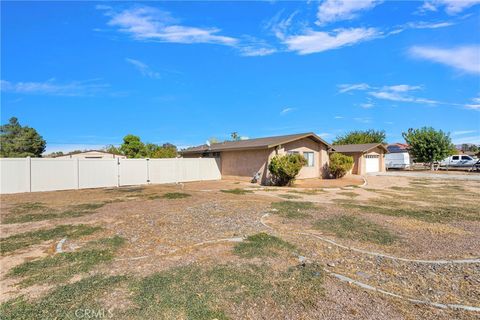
[{"x": 84, "y": 74}]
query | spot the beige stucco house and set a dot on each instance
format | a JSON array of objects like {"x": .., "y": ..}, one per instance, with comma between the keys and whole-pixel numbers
[
  {"x": 92, "y": 154},
  {"x": 244, "y": 159},
  {"x": 368, "y": 157}
]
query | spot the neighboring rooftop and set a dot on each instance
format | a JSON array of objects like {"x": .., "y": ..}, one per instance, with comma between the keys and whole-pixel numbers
[
  {"x": 397, "y": 147},
  {"x": 352, "y": 148},
  {"x": 87, "y": 151},
  {"x": 258, "y": 143}
]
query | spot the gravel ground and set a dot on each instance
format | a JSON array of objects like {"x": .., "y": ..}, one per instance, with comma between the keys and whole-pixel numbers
[{"x": 162, "y": 234}]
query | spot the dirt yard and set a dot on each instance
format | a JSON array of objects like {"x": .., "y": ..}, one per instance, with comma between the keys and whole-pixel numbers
[{"x": 395, "y": 248}]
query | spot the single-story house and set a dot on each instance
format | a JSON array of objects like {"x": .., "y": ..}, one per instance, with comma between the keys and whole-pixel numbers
[
  {"x": 245, "y": 159},
  {"x": 91, "y": 154},
  {"x": 367, "y": 157}
]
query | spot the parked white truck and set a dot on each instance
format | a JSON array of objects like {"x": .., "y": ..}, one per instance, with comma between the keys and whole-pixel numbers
[{"x": 458, "y": 161}]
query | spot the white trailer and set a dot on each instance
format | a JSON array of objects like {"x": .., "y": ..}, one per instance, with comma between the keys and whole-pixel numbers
[{"x": 397, "y": 160}]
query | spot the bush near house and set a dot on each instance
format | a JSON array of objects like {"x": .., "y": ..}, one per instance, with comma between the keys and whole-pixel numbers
[
  {"x": 340, "y": 164},
  {"x": 285, "y": 168}
]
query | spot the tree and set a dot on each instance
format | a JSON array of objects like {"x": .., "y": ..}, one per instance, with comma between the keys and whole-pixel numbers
[
  {"x": 213, "y": 140},
  {"x": 112, "y": 149},
  {"x": 167, "y": 150},
  {"x": 359, "y": 136},
  {"x": 133, "y": 147},
  {"x": 428, "y": 145},
  {"x": 234, "y": 135},
  {"x": 285, "y": 168},
  {"x": 54, "y": 154},
  {"x": 339, "y": 164},
  {"x": 18, "y": 141}
]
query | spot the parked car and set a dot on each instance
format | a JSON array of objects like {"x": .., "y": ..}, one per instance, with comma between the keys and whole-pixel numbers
[
  {"x": 399, "y": 160},
  {"x": 460, "y": 160}
]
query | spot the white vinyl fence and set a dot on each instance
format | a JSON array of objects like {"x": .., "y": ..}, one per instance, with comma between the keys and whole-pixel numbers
[{"x": 37, "y": 174}]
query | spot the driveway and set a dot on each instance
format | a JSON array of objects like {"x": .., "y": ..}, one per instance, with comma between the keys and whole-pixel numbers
[{"x": 429, "y": 175}]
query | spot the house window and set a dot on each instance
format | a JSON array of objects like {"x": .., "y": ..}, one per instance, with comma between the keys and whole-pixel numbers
[
  {"x": 293, "y": 152},
  {"x": 309, "y": 157}
]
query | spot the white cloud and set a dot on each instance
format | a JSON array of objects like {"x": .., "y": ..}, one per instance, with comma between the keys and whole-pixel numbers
[
  {"x": 350, "y": 87},
  {"x": 147, "y": 23},
  {"x": 402, "y": 88},
  {"x": 251, "y": 46},
  {"x": 399, "y": 92},
  {"x": 474, "y": 105},
  {"x": 467, "y": 139},
  {"x": 324, "y": 135},
  {"x": 429, "y": 25},
  {"x": 337, "y": 10},
  {"x": 464, "y": 58},
  {"x": 319, "y": 41},
  {"x": 338, "y": 117},
  {"x": 143, "y": 68},
  {"x": 460, "y": 133},
  {"x": 452, "y": 7},
  {"x": 51, "y": 87},
  {"x": 286, "y": 110},
  {"x": 363, "y": 119},
  {"x": 367, "y": 105}
]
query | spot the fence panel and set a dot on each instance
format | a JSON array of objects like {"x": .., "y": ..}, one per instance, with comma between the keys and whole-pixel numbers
[
  {"x": 210, "y": 169},
  {"x": 97, "y": 173},
  {"x": 15, "y": 174},
  {"x": 25, "y": 174},
  {"x": 133, "y": 172},
  {"x": 54, "y": 174},
  {"x": 163, "y": 170}
]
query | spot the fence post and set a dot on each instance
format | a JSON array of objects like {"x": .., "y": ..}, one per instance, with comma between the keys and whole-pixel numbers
[
  {"x": 29, "y": 174},
  {"x": 75, "y": 173},
  {"x": 148, "y": 170},
  {"x": 118, "y": 172}
]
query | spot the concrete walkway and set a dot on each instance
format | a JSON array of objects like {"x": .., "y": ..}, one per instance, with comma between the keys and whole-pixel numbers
[{"x": 429, "y": 175}]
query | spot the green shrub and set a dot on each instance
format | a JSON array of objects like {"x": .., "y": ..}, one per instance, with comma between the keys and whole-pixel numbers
[
  {"x": 340, "y": 164},
  {"x": 285, "y": 168}
]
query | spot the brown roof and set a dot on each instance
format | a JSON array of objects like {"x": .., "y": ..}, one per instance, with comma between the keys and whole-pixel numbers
[
  {"x": 258, "y": 143},
  {"x": 352, "y": 148}
]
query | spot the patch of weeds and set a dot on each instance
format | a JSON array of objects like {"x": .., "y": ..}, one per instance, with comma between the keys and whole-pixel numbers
[
  {"x": 262, "y": 245},
  {"x": 289, "y": 196},
  {"x": 349, "y": 194},
  {"x": 197, "y": 293},
  {"x": 63, "y": 266},
  {"x": 436, "y": 212},
  {"x": 126, "y": 189},
  {"x": 22, "y": 213},
  {"x": 354, "y": 228},
  {"x": 61, "y": 302},
  {"x": 176, "y": 195},
  {"x": 237, "y": 191},
  {"x": 306, "y": 287},
  {"x": 24, "y": 240},
  {"x": 293, "y": 209},
  {"x": 27, "y": 207},
  {"x": 306, "y": 191}
]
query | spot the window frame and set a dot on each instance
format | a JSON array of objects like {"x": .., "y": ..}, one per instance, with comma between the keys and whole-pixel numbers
[{"x": 313, "y": 158}]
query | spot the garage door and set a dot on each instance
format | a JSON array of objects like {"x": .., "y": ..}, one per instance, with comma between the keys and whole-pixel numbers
[{"x": 373, "y": 163}]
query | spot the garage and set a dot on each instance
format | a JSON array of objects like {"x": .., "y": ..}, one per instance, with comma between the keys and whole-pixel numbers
[
  {"x": 372, "y": 163},
  {"x": 367, "y": 157}
]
